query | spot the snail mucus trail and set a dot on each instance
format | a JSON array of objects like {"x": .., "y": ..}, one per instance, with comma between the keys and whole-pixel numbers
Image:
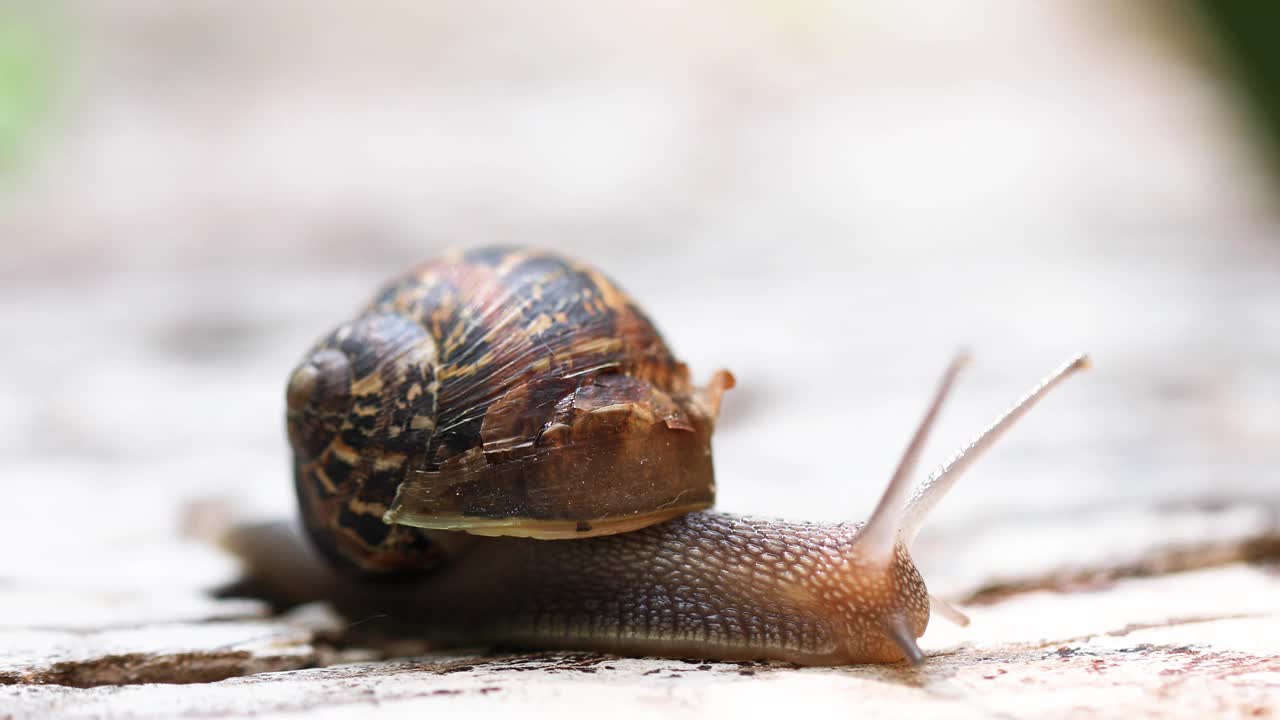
[{"x": 670, "y": 579}]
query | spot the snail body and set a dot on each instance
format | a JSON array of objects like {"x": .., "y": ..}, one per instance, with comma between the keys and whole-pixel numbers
[{"x": 518, "y": 394}]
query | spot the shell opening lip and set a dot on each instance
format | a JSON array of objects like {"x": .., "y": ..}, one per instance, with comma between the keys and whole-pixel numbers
[{"x": 548, "y": 529}]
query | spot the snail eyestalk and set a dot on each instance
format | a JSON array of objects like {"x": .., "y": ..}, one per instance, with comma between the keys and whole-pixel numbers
[
  {"x": 879, "y": 536},
  {"x": 931, "y": 490}
]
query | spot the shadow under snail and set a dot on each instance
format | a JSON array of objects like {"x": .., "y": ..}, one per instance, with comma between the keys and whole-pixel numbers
[{"x": 520, "y": 395}]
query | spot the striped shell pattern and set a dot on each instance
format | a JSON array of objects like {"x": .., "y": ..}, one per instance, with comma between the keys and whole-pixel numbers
[{"x": 497, "y": 391}]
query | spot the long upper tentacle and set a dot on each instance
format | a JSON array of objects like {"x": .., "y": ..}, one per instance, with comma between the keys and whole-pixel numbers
[
  {"x": 931, "y": 490},
  {"x": 880, "y": 534}
]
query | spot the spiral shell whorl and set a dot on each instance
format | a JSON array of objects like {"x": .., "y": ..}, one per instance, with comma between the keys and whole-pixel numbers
[{"x": 469, "y": 392}]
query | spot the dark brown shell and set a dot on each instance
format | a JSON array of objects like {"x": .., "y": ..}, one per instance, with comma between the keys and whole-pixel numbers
[{"x": 499, "y": 391}]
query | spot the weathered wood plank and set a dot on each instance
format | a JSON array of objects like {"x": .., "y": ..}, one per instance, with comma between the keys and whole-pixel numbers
[{"x": 782, "y": 204}]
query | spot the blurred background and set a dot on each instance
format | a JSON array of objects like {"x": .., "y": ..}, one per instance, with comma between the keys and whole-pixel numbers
[{"x": 828, "y": 198}]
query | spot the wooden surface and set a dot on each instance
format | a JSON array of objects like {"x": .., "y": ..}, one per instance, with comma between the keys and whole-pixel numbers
[{"x": 825, "y": 209}]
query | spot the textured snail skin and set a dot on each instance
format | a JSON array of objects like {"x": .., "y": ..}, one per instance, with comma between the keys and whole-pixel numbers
[{"x": 704, "y": 585}]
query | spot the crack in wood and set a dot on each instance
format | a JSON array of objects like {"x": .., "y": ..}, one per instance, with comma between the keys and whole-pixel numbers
[
  {"x": 1263, "y": 550},
  {"x": 136, "y": 668}
]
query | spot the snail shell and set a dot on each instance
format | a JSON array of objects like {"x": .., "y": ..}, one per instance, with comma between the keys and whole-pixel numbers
[{"x": 499, "y": 391}]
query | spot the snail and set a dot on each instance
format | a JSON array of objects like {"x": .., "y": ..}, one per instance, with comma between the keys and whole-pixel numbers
[{"x": 501, "y": 450}]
